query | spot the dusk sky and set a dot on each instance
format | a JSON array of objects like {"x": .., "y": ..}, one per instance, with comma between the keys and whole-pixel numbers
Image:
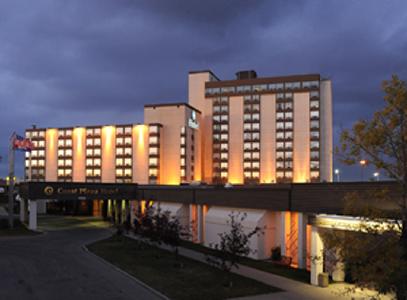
[{"x": 65, "y": 63}]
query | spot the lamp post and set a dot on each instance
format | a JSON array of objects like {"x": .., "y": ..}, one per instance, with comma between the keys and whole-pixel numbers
[
  {"x": 376, "y": 175},
  {"x": 337, "y": 173},
  {"x": 363, "y": 163}
]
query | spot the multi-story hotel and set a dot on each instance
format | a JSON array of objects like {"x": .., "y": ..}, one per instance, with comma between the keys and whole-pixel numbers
[{"x": 248, "y": 130}]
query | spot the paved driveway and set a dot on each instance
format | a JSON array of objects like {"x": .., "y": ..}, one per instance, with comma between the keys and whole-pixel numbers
[{"x": 54, "y": 266}]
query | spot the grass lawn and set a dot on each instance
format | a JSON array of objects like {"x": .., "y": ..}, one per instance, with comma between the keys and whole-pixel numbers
[
  {"x": 158, "y": 269},
  {"x": 266, "y": 266},
  {"x": 59, "y": 222}
]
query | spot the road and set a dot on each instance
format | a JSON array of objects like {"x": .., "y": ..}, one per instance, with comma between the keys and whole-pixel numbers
[{"x": 54, "y": 266}]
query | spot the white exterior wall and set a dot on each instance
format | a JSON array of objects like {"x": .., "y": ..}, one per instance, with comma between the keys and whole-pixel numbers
[
  {"x": 216, "y": 222},
  {"x": 178, "y": 210},
  {"x": 326, "y": 142}
]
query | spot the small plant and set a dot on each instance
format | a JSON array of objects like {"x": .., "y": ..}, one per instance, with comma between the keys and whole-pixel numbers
[
  {"x": 276, "y": 253},
  {"x": 233, "y": 245}
]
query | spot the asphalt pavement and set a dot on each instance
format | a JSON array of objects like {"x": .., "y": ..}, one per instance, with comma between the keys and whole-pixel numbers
[{"x": 55, "y": 266}]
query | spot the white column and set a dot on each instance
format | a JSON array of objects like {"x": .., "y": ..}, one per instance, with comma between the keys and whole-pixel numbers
[
  {"x": 317, "y": 258},
  {"x": 282, "y": 233},
  {"x": 200, "y": 224},
  {"x": 32, "y": 225},
  {"x": 22, "y": 210},
  {"x": 302, "y": 241},
  {"x": 338, "y": 273},
  {"x": 193, "y": 223}
]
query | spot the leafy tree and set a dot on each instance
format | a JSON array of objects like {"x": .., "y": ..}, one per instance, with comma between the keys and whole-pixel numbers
[
  {"x": 233, "y": 245},
  {"x": 376, "y": 256},
  {"x": 161, "y": 228}
]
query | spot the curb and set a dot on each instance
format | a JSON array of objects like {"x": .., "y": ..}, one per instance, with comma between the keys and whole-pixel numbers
[{"x": 147, "y": 287}]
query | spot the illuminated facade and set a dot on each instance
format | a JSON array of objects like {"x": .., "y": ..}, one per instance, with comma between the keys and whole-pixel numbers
[{"x": 245, "y": 131}]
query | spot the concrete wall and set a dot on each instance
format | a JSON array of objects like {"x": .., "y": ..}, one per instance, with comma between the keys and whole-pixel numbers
[
  {"x": 301, "y": 144},
  {"x": 326, "y": 144},
  {"x": 79, "y": 154},
  {"x": 268, "y": 139},
  {"x": 235, "y": 140},
  {"x": 51, "y": 154},
  {"x": 108, "y": 154}
]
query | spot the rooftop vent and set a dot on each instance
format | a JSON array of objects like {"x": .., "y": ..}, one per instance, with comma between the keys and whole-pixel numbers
[{"x": 246, "y": 74}]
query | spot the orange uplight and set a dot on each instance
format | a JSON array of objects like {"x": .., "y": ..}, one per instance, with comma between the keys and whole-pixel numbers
[
  {"x": 108, "y": 132},
  {"x": 141, "y": 131},
  {"x": 78, "y": 136}
]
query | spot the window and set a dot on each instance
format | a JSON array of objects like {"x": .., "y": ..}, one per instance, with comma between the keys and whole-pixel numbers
[
  {"x": 314, "y": 104},
  {"x": 152, "y": 161},
  {"x": 119, "y": 162},
  {"x": 314, "y": 124},
  {"x": 314, "y": 94},
  {"x": 314, "y": 114},
  {"x": 314, "y": 144}
]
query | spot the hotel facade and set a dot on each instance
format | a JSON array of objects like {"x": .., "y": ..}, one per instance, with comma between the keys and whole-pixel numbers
[
  {"x": 248, "y": 130},
  {"x": 262, "y": 136}
]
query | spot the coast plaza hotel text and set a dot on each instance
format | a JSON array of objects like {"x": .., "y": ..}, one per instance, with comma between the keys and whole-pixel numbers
[{"x": 253, "y": 134}]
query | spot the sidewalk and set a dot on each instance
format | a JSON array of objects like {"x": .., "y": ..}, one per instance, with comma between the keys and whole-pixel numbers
[{"x": 292, "y": 289}]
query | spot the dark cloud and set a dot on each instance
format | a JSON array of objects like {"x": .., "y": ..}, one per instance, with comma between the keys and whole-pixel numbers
[{"x": 98, "y": 61}]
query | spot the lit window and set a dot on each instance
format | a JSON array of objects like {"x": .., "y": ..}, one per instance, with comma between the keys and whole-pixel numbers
[
  {"x": 119, "y": 162},
  {"x": 97, "y": 142},
  {"x": 97, "y": 152},
  {"x": 127, "y": 162},
  {"x": 97, "y": 162},
  {"x": 153, "y": 161},
  {"x": 153, "y": 150},
  {"x": 119, "y": 130},
  {"x": 153, "y": 129}
]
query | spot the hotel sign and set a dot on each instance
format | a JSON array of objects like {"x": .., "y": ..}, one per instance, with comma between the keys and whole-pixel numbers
[
  {"x": 192, "y": 121},
  {"x": 80, "y": 191}
]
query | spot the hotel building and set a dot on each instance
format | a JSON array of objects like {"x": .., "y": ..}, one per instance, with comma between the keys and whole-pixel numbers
[{"x": 249, "y": 130}]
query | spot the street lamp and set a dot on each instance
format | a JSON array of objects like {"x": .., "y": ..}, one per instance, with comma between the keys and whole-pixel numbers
[
  {"x": 376, "y": 175},
  {"x": 337, "y": 172},
  {"x": 363, "y": 164}
]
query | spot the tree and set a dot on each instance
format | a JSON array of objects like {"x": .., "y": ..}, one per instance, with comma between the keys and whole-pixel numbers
[
  {"x": 161, "y": 228},
  {"x": 377, "y": 255},
  {"x": 233, "y": 245}
]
